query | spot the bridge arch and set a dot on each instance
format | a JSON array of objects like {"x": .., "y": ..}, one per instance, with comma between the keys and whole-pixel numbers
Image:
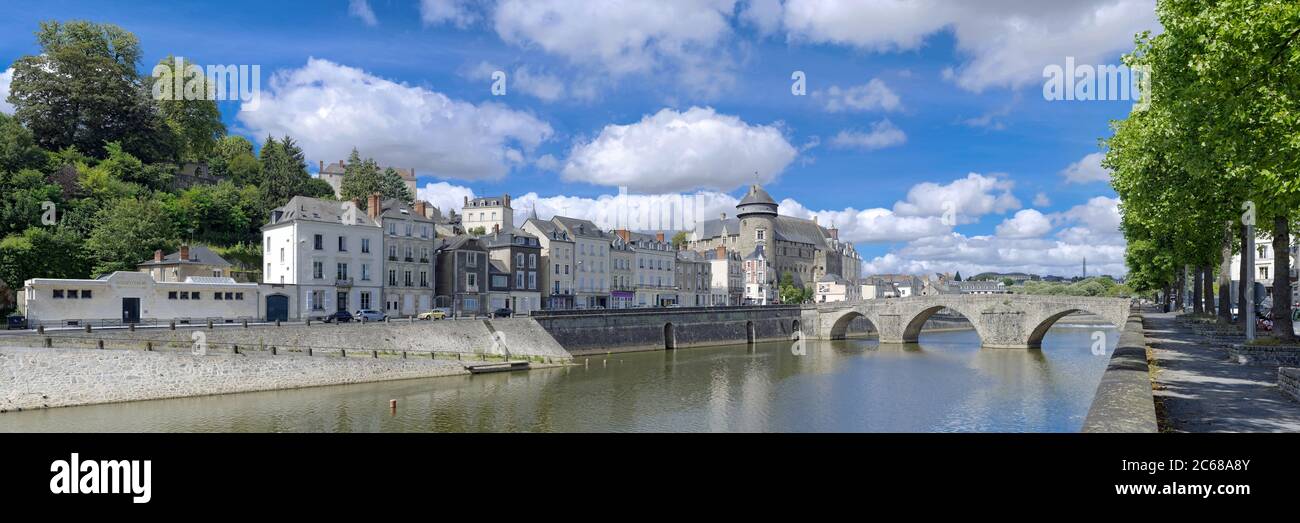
[
  {"x": 1035, "y": 339},
  {"x": 840, "y": 328},
  {"x": 912, "y": 331}
]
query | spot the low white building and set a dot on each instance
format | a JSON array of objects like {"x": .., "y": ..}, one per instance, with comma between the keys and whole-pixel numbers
[
  {"x": 832, "y": 288},
  {"x": 135, "y": 297}
]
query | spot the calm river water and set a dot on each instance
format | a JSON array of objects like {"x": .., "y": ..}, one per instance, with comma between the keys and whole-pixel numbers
[{"x": 944, "y": 383}]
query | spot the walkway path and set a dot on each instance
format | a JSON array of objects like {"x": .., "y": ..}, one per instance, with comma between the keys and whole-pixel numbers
[{"x": 1203, "y": 392}]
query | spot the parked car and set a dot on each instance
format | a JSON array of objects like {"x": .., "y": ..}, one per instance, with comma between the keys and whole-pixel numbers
[
  {"x": 435, "y": 314},
  {"x": 370, "y": 315},
  {"x": 16, "y": 322},
  {"x": 340, "y": 316},
  {"x": 502, "y": 313}
]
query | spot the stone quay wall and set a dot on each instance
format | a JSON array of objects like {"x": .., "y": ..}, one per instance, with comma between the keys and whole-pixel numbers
[
  {"x": 32, "y": 378},
  {"x": 622, "y": 330},
  {"x": 518, "y": 337},
  {"x": 1288, "y": 379},
  {"x": 1124, "y": 401},
  {"x": 1265, "y": 355}
]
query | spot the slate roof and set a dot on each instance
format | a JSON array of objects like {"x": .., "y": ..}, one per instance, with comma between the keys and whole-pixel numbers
[
  {"x": 318, "y": 210},
  {"x": 507, "y": 238},
  {"x": 199, "y": 255},
  {"x": 580, "y": 228},
  {"x": 756, "y": 195}
]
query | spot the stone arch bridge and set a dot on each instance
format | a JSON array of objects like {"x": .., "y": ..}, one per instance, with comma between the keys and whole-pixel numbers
[{"x": 1001, "y": 320}]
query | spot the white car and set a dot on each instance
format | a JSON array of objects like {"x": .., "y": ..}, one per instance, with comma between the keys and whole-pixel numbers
[{"x": 370, "y": 315}]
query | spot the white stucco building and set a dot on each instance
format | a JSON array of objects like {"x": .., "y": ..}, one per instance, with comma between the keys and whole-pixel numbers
[
  {"x": 331, "y": 252},
  {"x": 135, "y": 297}
]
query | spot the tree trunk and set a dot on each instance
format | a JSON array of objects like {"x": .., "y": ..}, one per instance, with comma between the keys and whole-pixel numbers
[
  {"x": 1225, "y": 277},
  {"x": 1282, "y": 280},
  {"x": 1197, "y": 303},
  {"x": 1241, "y": 282},
  {"x": 1180, "y": 281},
  {"x": 1207, "y": 279}
]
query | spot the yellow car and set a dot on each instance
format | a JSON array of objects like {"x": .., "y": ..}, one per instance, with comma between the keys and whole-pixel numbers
[{"x": 432, "y": 315}]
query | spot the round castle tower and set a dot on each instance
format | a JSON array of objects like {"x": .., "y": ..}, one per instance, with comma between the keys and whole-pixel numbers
[{"x": 757, "y": 214}]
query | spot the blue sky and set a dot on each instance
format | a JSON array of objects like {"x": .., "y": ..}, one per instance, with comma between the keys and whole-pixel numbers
[{"x": 911, "y": 107}]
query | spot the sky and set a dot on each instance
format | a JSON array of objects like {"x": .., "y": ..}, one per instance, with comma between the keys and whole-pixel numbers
[{"x": 918, "y": 128}]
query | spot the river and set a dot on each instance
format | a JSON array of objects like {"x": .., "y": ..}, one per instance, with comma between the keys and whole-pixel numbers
[{"x": 944, "y": 383}]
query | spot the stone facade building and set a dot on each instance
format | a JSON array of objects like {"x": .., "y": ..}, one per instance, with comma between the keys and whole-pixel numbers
[
  {"x": 197, "y": 260},
  {"x": 654, "y": 269},
  {"x": 409, "y": 270},
  {"x": 491, "y": 213},
  {"x": 590, "y": 262},
  {"x": 694, "y": 279},
  {"x": 557, "y": 263},
  {"x": 463, "y": 270},
  {"x": 728, "y": 287},
  {"x": 520, "y": 257},
  {"x": 622, "y": 289},
  {"x": 802, "y": 248}
]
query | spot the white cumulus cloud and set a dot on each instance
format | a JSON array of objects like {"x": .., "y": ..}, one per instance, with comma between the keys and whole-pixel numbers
[
  {"x": 966, "y": 198},
  {"x": 1087, "y": 170},
  {"x": 874, "y": 95},
  {"x": 330, "y": 108},
  {"x": 6, "y": 78},
  {"x": 1027, "y": 223},
  {"x": 1004, "y": 43},
  {"x": 672, "y": 151},
  {"x": 459, "y": 13},
  {"x": 882, "y": 134},
  {"x": 361, "y": 9}
]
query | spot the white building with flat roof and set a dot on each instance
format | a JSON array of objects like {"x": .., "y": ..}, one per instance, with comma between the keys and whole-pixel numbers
[{"x": 126, "y": 297}]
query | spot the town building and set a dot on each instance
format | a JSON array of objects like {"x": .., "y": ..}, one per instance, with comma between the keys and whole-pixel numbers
[
  {"x": 694, "y": 279},
  {"x": 728, "y": 285},
  {"x": 408, "y": 269},
  {"x": 126, "y": 297},
  {"x": 557, "y": 263},
  {"x": 590, "y": 262},
  {"x": 333, "y": 175},
  {"x": 1265, "y": 270},
  {"x": 802, "y": 248},
  {"x": 198, "y": 260},
  {"x": 833, "y": 288},
  {"x": 978, "y": 287},
  {"x": 760, "y": 282},
  {"x": 878, "y": 290},
  {"x": 330, "y": 251},
  {"x": 653, "y": 270},
  {"x": 520, "y": 256},
  {"x": 622, "y": 286},
  {"x": 462, "y": 285},
  {"x": 488, "y": 214}
]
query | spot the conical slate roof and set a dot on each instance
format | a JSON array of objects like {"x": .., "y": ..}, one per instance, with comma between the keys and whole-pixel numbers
[{"x": 756, "y": 195}]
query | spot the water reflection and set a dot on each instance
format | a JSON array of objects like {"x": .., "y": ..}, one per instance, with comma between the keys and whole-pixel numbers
[{"x": 943, "y": 383}]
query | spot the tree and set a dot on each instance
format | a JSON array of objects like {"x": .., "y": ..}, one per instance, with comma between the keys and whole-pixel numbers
[
  {"x": 127, "y": 233},
  {"x": 83, "y": 90},
  {"x": 361, "y": 178},
  {"x": 222, "y": 214},
  {"x": 22, "y": 200},
  {"x": 284, "y": 171},
  {"x": 957, "y": 277},
  {"x": 18, "y": 149},
  {"x": 196, "y": 123},
  {"x": 679, "y": 239},
  {"x": 392, "y": 186},
  {"x": 232, "y": 158},
  {"x": 42, "y": 253},
  {"x": 318, "y": 188},
  {"x": 791, "y": 293},
  {"x": 477, "y": 231}
]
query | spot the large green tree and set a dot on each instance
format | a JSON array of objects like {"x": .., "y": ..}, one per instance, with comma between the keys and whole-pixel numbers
[
  {"x": 127, "y": 233},
  {"x": 82, "y": 89},
  {"x": 284, "y": 171},
  {"x": 42, "y": 253},
  {"x": 361, "y": 178},
  {"x": 194, "y": 120}
]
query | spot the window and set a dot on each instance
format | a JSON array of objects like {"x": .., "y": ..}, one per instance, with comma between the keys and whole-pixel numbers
[
  {"x": 408, "y": 229},
  {"x": 759, "y": 234},
  {"x": 281, "y": 258},
  {"x": 365, "y": 300},
  {"x": 365, "y": 272},
  {"x": 392, "y": 252},
  {"x": 317, "y": 270},
  {"x": 407, "y": 278},
  {"x": 185, "y": 295},
  {"x": 341, "y": 271},
  {"x": 72, "y": 294},
  {"x": 471, "y": 259},
  {"x": 365, "y": 245},
  {"x": 85, "y": 295},
  {"x": 239, "y": 296},
  {"x": 392, "y": 277},
  {"x": 216, "y": 273},
  {"x": 343, "y": 244},
  {"x": 532, "y": 261},
  {"x": 519, "y": 279},
  {"x": 216, "y": 296},
  {"x": 230, "y": 295},
  {"x": 392, "y": 228},
  {"x": 1263, "y": 273},
  {"x": 195, "y": 295},
  {"x": 424, "y": 278},
  {"x": 471, "y": 279},
  {"x": 532, "y": 281},
  {"x": 319, "y": 242},
  {"x": 519, "y": 259}
]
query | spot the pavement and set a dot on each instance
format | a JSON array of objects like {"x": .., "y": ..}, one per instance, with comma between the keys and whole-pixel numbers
[{"x": 1202, "y": 391}]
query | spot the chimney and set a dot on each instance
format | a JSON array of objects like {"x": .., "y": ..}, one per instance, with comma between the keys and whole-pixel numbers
[
  {"x": 372, "y": 205},
  {"x": 722, "y": 252},
  {"x": 322, "y": 167},
  {"x": 659, "y": 236},
  {"x": 622, "y": 233},
  {"x": 419, "y": 208},
  {"x": 185, "y": 253},
  {"x": 835, "y": 233},
  {"x": 496, "y": 228},
  {"x": 507, "y": 200},
  {"x": 158, "y": 255}
]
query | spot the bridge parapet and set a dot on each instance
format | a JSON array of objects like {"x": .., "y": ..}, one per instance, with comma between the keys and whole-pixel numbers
[{"x": 1001, "y": 320}]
